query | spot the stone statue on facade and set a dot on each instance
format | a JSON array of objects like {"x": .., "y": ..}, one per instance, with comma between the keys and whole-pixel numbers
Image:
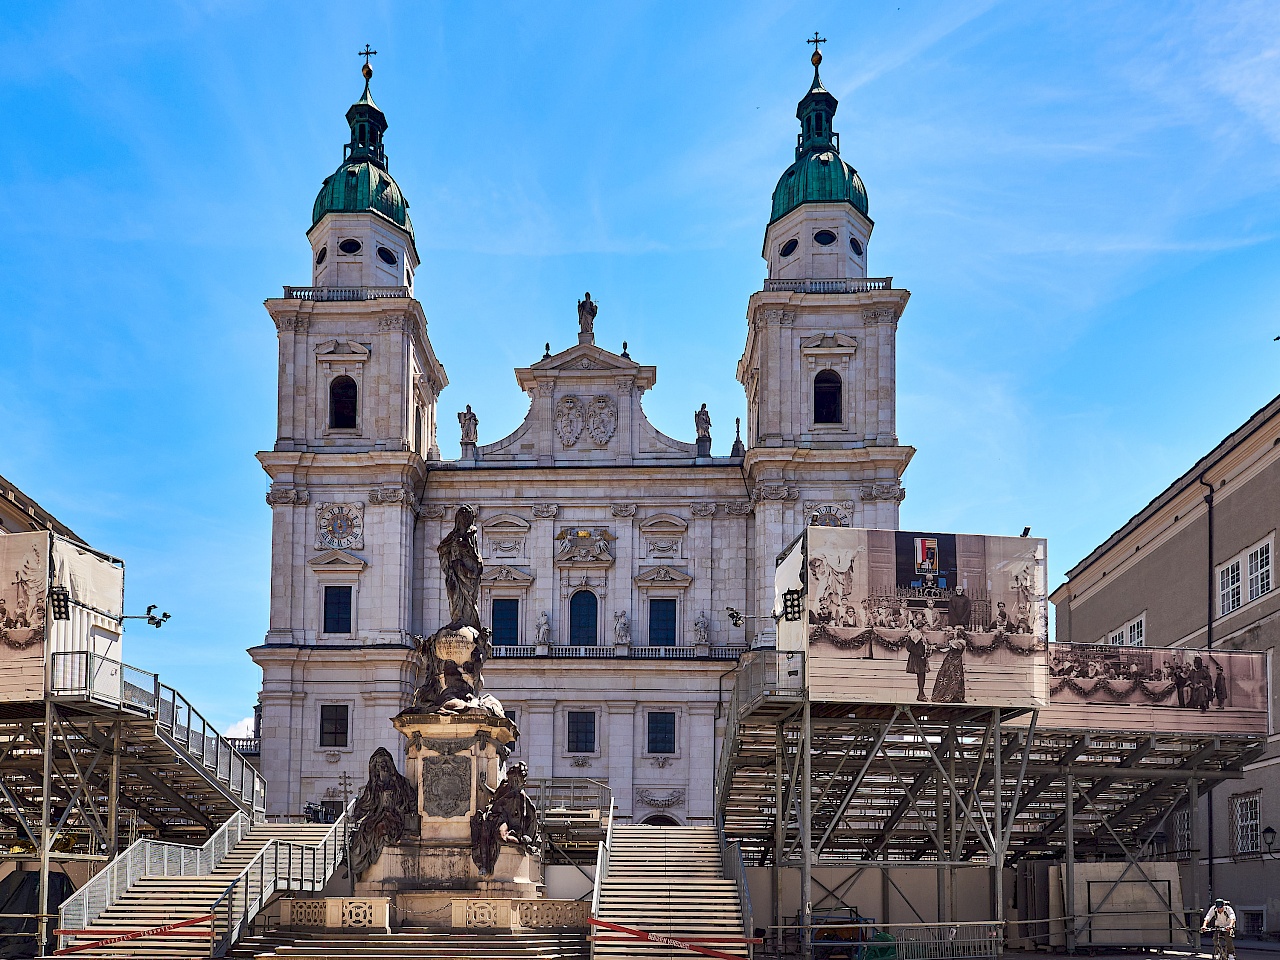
[
  {"x": 382, "y": 812},
  {"x": 455, "y": 654},
  {"x": 621, "y": 628},
  {"x": 587, "y": 310},
  {"x": 542, "y": 629},
  {"x": 509, "y": 817},
  {"x": 702, "y": 628},
  {"x": 470, "y": 424},
  {"x": 702, "y": 423}
]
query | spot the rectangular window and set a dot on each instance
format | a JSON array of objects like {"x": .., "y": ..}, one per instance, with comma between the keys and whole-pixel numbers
[
  {"x": 1246, "y": 823},
  {"x": 582, "y": 731},
  {"x": 337, "y": 609},
  {"x": 662, "y": 623},
  {"x": 1253, "y": 923},
  {"x": 333, "y": 725},
  {"x": 1131, "y": 634},
  {"x": 506, "y": 623},
  {"x": 1229, "y": 588},
  {"x": 662, "y": 732},
  {"x": 1259, "y": 571},
  {"x": 1135, "y": 633}
]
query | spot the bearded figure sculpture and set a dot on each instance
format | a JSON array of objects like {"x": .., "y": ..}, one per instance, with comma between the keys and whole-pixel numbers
[
  {"x": 510, "y": 817},
  {"x": 382, "y": 811}
]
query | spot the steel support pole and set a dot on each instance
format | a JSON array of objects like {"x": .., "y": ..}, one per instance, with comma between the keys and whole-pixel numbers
[
  {"x": 1069, "y": 878},
  {"x": 1193, "y": 820},
  {"x": 780, "y": 816},
  {"x": 46, "y": 841},
  {"x": 997, "y": 823},
  {"x": 806, "y": 830},
  {"x": 113, "y": 795}
]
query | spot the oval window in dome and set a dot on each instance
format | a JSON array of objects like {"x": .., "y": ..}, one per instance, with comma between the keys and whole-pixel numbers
[
  {"x": 855, "y": 245},
  {"x": 324, "y": 252},
  {"x": 789, "y": 247},
  {"x": 824, "y": 237},
  {"x": 387, "y": 256},
  {"x": 349, "y": 246}
]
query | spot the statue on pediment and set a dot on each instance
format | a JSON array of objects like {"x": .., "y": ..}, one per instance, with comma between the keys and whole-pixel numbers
[
  {"x": 702, "y": 423},
  {"x": 587, "y": 310},
  {"x": 470, "y": 425}
]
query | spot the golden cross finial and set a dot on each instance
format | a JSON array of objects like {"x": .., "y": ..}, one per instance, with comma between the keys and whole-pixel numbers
[
  {"x": 368, "y": 52},
  {"x": 817, "y": 52}
]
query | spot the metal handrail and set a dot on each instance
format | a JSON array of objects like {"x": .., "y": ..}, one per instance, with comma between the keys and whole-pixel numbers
[
  {"x": 83, "y": 674},
  {"x": 735, "y": 869},
  {"x": 250, "y": 891},
  {"x": 148, "y": 858},
  {"x": 602, "y": 859}
]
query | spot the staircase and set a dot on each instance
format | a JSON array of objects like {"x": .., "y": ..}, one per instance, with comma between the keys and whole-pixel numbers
[
  {"x": 413, "y": 944},
  {"x": 668, "y": 881},
  {"x": 166, "y": 886}
]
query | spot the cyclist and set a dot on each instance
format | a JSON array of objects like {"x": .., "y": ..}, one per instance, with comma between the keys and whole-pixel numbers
[{"x": 1222, "y": 919}]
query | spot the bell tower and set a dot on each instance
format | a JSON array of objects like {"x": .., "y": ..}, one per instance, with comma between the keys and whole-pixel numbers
[
  {"x": 359, "y": 385},
  {"x": 819, "y": 364}
]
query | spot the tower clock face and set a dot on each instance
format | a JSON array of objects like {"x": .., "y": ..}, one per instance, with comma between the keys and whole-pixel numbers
[{"x": 341, "y": 526}]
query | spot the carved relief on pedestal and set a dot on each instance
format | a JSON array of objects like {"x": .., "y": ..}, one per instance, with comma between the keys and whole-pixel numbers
[
  {"x": 623, "y": 509},
  {"x": 446, "y": 785},
  {"x": 545, "y": 511},
  {"x": 279, "y": 493}
]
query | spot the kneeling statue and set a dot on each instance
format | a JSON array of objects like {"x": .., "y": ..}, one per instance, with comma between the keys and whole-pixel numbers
[{"x": 510, "y": 817}]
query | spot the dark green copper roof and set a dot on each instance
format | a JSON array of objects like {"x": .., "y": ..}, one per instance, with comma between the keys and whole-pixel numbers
[
  {"x": 361, "y": 183},
  {"x": 819, "y": 175}
]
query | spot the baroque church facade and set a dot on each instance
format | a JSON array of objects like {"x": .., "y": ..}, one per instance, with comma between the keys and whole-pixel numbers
[{"x": 625, "y": 570}]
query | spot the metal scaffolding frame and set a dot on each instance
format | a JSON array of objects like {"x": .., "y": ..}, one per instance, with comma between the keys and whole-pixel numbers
[{"x": 863, "y": 787}]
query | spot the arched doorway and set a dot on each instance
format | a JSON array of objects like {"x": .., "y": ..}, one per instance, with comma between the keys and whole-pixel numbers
[{"x": 660, "y": 820}]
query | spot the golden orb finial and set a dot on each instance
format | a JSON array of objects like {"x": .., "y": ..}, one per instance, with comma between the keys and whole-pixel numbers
[
  {"x": 368, "y": 52},
  {"x": 817, "y": 53}
]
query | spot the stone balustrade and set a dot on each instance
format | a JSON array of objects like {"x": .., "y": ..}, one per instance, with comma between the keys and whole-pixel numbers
[
  {"x": 840, "y": 285},
  {"x": 331, "y": 294}
]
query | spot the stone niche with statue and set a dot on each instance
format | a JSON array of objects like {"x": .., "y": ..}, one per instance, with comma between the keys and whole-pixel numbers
[{"x": 454, "y": 841}]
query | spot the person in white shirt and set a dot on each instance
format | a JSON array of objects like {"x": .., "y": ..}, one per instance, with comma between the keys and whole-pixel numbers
[{"x": 1222, "y": 917}]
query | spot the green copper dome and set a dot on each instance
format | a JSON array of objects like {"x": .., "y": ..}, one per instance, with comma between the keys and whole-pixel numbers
[
  {"x": 361, "y": 183},
  {"x": 819, "y": 175}
]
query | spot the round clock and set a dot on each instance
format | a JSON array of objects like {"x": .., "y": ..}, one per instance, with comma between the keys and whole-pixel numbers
[{"x": 340, "y": 526}]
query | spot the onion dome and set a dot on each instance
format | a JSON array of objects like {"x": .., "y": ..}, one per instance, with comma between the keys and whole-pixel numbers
[
  {"x": 819, "y": 175},
  {"x": 361, "y": 184}
]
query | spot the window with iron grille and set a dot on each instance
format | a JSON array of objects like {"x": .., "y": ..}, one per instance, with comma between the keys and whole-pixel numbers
[
  {"x": 1253, "y": 923},
  {"x": 662, "y": 623},
  {"x": 582, "y": 731},
  {"x": 662, "y": 732},
  {"x": 1246, "y": 823},
  {"x": 337, "y": 609},
  {"x": 1182, "y": 834},
  {"x": 506, "y": 622},
  {"x": 333, "y": 724}
]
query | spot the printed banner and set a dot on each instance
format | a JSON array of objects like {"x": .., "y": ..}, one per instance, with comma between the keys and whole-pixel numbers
[
  {"x": 903, "y": 617},
  {"x": 24, "y": 586}
]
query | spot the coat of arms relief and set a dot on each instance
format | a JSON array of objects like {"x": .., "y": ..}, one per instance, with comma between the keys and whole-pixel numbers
[{"x": 598, "y": 417}]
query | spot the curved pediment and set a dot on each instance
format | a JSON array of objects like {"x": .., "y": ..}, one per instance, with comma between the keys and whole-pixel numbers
[{"x": 663, "y": 523}]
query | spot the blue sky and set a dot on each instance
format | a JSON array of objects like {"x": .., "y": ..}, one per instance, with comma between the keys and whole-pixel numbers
[{"x": 1084, "y": 200}]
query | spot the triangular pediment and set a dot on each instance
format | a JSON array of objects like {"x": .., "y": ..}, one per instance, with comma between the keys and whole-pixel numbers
[
  {"x": 662, "y": 576},
  {"x": 829, "y": 341},
  {"x": 506, "y": 574},
  {"x": 586, "y": 361},
  {"x": 336, "y": 560}
]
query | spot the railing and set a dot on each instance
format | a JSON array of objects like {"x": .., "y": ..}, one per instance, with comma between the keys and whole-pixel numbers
[
  {"x": 731, "y": 652},
  {"x": 599, "y": 653},
  {"x": 280, "y": 865},
  {"x": 843, "y": 285},
  {"x": 735, "y": 869},
  {"x": 571, "y": 793},
  {"x": 331, "y": 294},
  {"x": 81, "y": 674},
  {"x": 905, "y": 941},
  {"x": 602, "y": 864},
  {"x": 760, "y": 673},
  {"x": 148, "y": 858}
]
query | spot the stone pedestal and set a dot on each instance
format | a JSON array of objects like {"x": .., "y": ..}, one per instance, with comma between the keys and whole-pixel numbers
[
  {"x": 455, "y": 761},
  {"x": 703, "y": 447}
]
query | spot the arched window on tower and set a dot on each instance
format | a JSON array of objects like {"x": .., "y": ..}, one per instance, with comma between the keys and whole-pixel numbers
[
  {"x": 826, "y": 397},
  {"x": 417, "y": 431},
  {"x": 582, "y": 619},
  {"x": 342, "y": 404}
]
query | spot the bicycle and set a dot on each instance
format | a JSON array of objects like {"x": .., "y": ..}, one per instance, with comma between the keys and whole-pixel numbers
[{"x": 1220, "y": 951}]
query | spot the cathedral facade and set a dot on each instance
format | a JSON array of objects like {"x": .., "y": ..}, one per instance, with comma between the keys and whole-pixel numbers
[{"x": 625, "y": 570}]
